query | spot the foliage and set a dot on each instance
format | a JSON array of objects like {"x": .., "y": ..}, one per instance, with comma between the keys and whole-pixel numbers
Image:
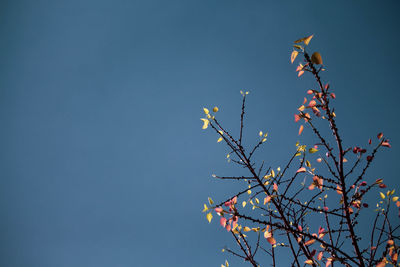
[{"x": 271, "y": 213}]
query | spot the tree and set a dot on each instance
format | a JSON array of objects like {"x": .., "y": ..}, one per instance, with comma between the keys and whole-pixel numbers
[{"x": 272, "y": 213}]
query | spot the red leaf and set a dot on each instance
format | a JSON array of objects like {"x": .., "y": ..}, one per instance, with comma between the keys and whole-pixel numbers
[
  {"x": 296, "y": 117},
  {"x": 275, "y": 187}
]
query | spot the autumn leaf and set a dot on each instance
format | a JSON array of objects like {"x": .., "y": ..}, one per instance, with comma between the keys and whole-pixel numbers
[
  {"x": 302, "y": 169},
  {"x": 316, "y": 58},
  {"x": 293, "y": 56},
  {"x": 205, "y": 123},
  {"x": 301, "y": 129},
  {"x": 271, "y": 240},
  {"x": 305, "y": 40},
  {"x": 209, "y": 217},
  {"x": 309, "y": 262}
]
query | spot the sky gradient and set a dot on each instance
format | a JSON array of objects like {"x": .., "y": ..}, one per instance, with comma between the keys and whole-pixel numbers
[{"x": 103, "y": 161}]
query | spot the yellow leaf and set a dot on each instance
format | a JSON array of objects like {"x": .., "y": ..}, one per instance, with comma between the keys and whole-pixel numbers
[
  {"x": 244, "y": 204},
  {"x": 309, "y": 262},
  {"x": 209, "y": 217},
  {"x": 308, "y": 39},
  {"x": 273, "y": 173},
  {"x": 215, "y": 109},
  {"x": 312, "y": 150},
  {"x": 260, "y": 133},
  {"x": 394, "y": 199},
  {"x": 249, "y": 191},
  {"x": 293, "y": 56},
  {"x": 316, "y": 58},
  {"x": 205, "y": 208},
  {"x": 246, "y": 229},
  {"x": 382, "y": 195},
  {"x": 206, "y": 111},
  {"x": 308, "y": 164},
  {"x": 219, "y": 139},
  {"x": 264, "y": 139},
  {"x": 304, "y": 39},
  {"x": 205, "y": 123},
  {"x": 298, "y": 47},
  {"x": 226, "y": 263},
  {"x": 210, "y": 201},
  {"x": 257, "y": 201}
]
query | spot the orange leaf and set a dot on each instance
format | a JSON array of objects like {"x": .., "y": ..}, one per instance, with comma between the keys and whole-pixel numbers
[
  {"x": 267, "y": 199},
  {"x": 271, "y": 240},
  {"x": 296, "y": 118},
  {"x": 320, "y": 255},
  {"x": 301, "y": 129},
  {"x": 309, "y": 262},
  {"x": 302, "y": 169},
  {"x": 309, "y": 242},
  {"x": 316, "y": 58},
  {"x": 293, "y": 56},
  {"x": 312, "y": 103}
]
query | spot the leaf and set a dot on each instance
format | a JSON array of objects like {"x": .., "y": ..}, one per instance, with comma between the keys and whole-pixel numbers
[
  {"x": 205, "y": 208},
  {"x": 220, "y": 139},
  {"x": 273, "y": 173},
  {"x": 267, "y": 199},
  {"x": 222, "y": 221},
  {"x": 206, "y": 111},
  {"x": 316, "y": 58},
  {"x": 296, "y": 117},
  {"x": 302, "y": 169},
  {"x": 209, "y": 217},
  {"x": 382, "y": 195},
  {"x": 215, "y": 109},
  {"x": 298, "y": 47},
  {"x": 271, "y": 240},
  {"x": 394, "y": 199},
  {"x": 205, "y": 123},
  {"x": 305, "y": 40},
  {"x": 244, "y": 204},
  {"x": 275, "y": 187},
  {"x": 246, "y": 229},
  {"x": 210, "y": 201},
  {"x": 293, "y": 56},
  {"x": 320, "y": 255},
  {"x": 386, "y": 144},
  {"x": 309, "y": 262},
  {"x": 312, "y": 150},
  {"x": 309, "y": 242},
  {"x": 300, "y": 129},
  {"x": 312, "y": 103},
  {"x": 308, "y": 39}
]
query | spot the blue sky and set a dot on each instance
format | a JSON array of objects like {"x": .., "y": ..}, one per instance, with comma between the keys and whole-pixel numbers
[{"x": 103, "y": 161}]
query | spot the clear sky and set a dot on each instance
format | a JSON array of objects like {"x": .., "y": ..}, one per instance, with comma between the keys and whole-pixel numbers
[{"x": 102, "y": 158}]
